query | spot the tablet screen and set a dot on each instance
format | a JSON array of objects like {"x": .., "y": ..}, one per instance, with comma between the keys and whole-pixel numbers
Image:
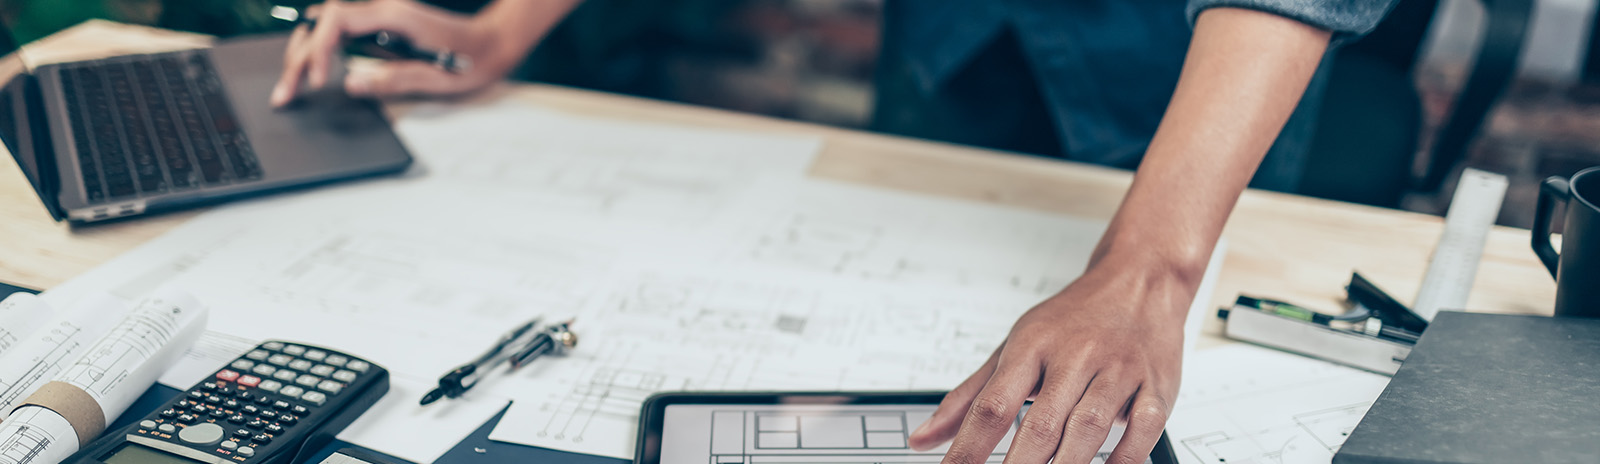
[{"x": 803, "y": 434}]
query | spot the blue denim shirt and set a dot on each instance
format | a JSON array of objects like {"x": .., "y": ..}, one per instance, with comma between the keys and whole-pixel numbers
[{"x": 1107, "y": 68}]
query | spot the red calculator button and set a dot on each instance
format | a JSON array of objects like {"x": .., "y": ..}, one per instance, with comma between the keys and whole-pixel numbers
[
  {"x": 249, "y": 381},
  {"x": 228, "y": 375}
]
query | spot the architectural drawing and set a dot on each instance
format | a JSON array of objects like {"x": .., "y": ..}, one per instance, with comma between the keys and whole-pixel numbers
[{"x": 1248, "y": 405}]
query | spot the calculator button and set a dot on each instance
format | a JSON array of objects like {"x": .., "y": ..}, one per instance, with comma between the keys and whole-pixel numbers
[
  {"x": 336, "y": 360},
  {"x": 274, "y": 346},
  {"x": 270, "y": 385},
  {"x": 236, "y": 418},
  {"x": 259, "y": 355},
  {"x": 280, "y": 359},
  {"x": 256, "y": 424},
  {"x": 227, "y": 375},
  {"x": 249, "y": 381},
  {"x": 323, "y": 370},
  {"x": 280, "y": 404},
  {"x": 246, "y": 451},
  {"x": 286, "y": 375},
  {"x": 187, "y": 418},
  {"x": 251, "y": 409},
  {"x": 225, "y": 391},
  {"x": 288, "y": 420},
  {"x": 316, "y": 355},
  {"x": 269, "y": 416},
  {"x": 344, "y": 376},
  {"x": 218, "y": 413},
  {"x": 358, "y": 365},
  {"x": 197, "y": 394},
  {"x": 243, "y": 364},
  {"x": 315, "y": 398},
  {"x": 231, "y": 404},
  {"x": 228, "y": 445},
  {"x": 291, "y": 391},
  {"x": 198, "y": 408},
  {"x": 301, "y": 410},
  {"x": 330, "y": 386},
  {"x": 294, "y": 350},
  {"x": 209, "y": 386},
  {"x": 308, "y": 380},
  {"x": 261, "y": 439},
  {"x": 147, "y": 425},
  {"x": 242, "y": 394},
  {"x": 242, "y": 433},
  {"x": 213, "y": 399},
  {"x": 263, "y": 399},
  {"x": 264, "y": 370},
  {"x": 167, "y": 428},
  {"x": 274, "y": 429},
  {"x": 170, "y": 413},
  {"x": 201, "y": 434},
  {"x": 300, "y": 365}
]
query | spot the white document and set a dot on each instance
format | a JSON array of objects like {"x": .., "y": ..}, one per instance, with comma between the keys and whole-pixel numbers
[
  {"x": 203, "y": 359},
  {"x": 46, "y": 352},
  {"x": 36, "y": 435},
  {"x": 521, "y": 212},
  {"x": 392, "y": 425},
  {"x": 1242, "y": 404},
  {"x": 127, "y": 361},
  {"x": 20, "y": 315},
  {"x": 114, "y": 371}
]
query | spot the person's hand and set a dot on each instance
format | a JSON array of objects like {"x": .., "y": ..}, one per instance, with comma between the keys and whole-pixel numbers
[
  {"x": 312, "y": 50},
  {"x": 1107, "y": 348}
]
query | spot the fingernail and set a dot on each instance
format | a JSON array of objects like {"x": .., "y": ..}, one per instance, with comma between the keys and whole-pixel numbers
[
  {"x": 358, "y": 83},
  {"x": 921, "y": 428},
  {"x": 280, "y": 95}
]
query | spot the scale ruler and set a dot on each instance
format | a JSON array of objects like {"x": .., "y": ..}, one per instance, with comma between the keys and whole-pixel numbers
[{"x": 1450, "y": 273}]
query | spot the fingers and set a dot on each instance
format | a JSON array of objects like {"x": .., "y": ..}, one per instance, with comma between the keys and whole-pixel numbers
[
  {"x": 1146, "y": 419},
  {"x": 1040, "y": 433},
  {"x": 946, "y": 419},
  {"x": 310, "y": 56},
  {"x": 1090, "y": 420},
  {"x": 395, "y": 78},
  {"x": 993, "y": 412}
]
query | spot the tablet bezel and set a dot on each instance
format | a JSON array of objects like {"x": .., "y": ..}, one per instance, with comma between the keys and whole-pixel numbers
[{"x": 652, "y": 417}]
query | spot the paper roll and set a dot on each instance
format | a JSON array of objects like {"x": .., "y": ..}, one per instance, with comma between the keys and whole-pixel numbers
[
  {"x": 20, "y": 315},
  {"x": 101, "y": 384},
  {"x": 50, "y": 349}
]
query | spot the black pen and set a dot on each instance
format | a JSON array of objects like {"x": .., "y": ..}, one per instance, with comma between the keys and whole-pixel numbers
[{"x": 385, "y": 44}]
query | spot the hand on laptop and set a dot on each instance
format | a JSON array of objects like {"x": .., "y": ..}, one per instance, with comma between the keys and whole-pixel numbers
[
  {"x": 1106, "y": 348},
  {"x": 495, "y": 43}
]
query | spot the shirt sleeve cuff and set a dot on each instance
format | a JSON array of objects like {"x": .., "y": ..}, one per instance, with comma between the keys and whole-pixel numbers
[{"x": 1347, "y": 19}]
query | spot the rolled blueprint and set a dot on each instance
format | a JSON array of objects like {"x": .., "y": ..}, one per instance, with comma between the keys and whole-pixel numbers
[
  {"x": 74, "y": 407},
  {"x": 46, "y": 352},
  {"x": 20, "y": 315}
]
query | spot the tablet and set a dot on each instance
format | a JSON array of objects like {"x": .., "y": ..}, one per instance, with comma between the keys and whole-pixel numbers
[{"x": 801, "y": 428}]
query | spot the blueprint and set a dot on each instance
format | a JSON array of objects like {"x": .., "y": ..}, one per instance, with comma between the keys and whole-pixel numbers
[
  {"x": 1242, "y": 404},
  {"x": 690, "y": 258}
]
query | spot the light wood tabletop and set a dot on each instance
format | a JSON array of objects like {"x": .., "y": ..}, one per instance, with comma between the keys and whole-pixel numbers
[{"x": 1280, "y": 246}]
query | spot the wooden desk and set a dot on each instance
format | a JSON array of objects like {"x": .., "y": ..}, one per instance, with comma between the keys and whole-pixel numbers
[{"x": 1280, "y": 246}]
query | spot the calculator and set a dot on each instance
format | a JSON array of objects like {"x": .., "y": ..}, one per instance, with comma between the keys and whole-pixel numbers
[{"x": 261, "y": 408}]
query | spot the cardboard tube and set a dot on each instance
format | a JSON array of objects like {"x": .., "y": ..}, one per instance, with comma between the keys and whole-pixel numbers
[{"x": 74, "y": 404}]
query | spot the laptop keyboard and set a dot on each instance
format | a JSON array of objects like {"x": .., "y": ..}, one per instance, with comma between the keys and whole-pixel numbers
[{"x": 154, "y": 124}]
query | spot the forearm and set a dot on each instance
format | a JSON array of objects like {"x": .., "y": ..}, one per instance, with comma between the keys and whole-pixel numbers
[
  {"x": 520, "y": 24},
  {"x": 1244, "y": 75}
]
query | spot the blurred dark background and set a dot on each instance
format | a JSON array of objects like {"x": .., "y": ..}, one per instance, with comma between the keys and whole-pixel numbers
[{"x": 813, "y": 61}]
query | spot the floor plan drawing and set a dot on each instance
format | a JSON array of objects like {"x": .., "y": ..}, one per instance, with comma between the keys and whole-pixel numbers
[{"x": 1247, "y": 405}]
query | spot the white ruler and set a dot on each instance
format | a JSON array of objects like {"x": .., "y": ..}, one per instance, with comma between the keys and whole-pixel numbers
[{"x": 1466, "y": 228}]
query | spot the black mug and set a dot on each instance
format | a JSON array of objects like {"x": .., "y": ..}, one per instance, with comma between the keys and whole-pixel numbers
[{"x": 1577, "y": 267}]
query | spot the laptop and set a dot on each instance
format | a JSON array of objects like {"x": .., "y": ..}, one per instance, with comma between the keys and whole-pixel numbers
[{"x": 131, "y": 135}]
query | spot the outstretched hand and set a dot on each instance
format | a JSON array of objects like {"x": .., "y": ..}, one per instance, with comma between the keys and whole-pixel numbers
[{"x": 1106, "y": 348}]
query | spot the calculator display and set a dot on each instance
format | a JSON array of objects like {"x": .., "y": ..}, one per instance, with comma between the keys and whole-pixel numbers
[{"x": 134, "y": 453}]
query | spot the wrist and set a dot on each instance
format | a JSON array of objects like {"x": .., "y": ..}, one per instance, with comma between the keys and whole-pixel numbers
[{"x": 1159, "y": 281}]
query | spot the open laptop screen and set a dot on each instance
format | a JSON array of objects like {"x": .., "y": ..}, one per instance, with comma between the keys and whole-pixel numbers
[{"x": 21, "y": 111}]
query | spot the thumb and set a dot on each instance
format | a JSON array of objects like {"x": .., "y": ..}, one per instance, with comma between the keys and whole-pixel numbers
[{"x": 393, "y": 78}]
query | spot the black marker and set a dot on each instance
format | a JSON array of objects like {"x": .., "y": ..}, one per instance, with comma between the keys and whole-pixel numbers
[{"x": 385, "y": 45}]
